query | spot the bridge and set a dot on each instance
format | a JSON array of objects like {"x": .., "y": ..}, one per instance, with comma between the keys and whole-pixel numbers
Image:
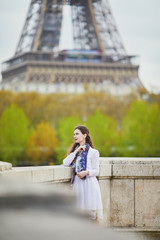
[{"x": 130, "y": 189}]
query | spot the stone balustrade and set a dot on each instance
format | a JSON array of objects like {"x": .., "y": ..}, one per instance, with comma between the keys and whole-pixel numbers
[{"x": 130, "y": 188}]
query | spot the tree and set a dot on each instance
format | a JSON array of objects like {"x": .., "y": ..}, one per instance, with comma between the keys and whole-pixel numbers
[
  {"x": 14, "y": 132},
  {"x": 50, "y": 107},
  {"x": 103, "y": 130},
  {"x": 33, "y": 105},
  {"x": 65, "y": 133},
  {"x": 141, "y": 130},
  {"x": 41, "y": 144},
  {"x": 6, "y": 99}
]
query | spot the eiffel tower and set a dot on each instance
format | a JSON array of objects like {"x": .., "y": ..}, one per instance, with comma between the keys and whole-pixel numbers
[{"x": 97, "y": 59}]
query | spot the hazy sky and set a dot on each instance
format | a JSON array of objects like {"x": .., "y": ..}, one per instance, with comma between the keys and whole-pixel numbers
[{"x": 138, "y": 22}]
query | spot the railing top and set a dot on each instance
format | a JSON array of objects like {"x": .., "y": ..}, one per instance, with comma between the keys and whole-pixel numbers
[
  {"x": 5, "y": 166},
  {"x": 129, "y": 160},
  {"x": 109, "y": 168}
]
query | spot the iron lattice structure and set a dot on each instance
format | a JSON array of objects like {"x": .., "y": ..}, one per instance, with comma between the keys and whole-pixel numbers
[{"x": 96, "y": 46}]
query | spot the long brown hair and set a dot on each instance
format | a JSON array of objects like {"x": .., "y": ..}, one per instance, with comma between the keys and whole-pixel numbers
[{"x": 84, "y": 130}]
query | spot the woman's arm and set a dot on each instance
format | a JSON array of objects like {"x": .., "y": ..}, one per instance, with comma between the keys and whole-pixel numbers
[
  {"x": 69, "y": 159},
  {"x": 95, "y": 165}
]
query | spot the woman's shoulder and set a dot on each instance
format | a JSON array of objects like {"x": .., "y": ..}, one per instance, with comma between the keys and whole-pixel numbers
[{"x": 93, "y": 150}]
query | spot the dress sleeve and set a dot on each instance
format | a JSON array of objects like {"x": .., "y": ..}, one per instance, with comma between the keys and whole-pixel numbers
[
  {"x": 95, "y": 165},
  {"x": 69, "y": 159}
]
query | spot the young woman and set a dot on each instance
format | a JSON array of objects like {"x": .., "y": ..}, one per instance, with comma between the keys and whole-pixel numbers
[{"x": 85, "y": 167}]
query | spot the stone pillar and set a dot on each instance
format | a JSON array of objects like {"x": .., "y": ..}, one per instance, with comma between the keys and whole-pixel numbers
[{"x": 131, "y": 192}]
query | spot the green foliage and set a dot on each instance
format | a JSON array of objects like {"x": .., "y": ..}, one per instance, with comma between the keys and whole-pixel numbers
[
  {"x": 65, "y": 133},
  {"x": 103, "y": 130},
  {"x": 137, "y": 121},
  {"x": 141, "y": 130},
  {"x": 14, "y": 132}
]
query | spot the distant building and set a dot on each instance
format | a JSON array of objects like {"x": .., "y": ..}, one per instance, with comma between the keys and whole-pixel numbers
[{"x": 98, "y": 61}]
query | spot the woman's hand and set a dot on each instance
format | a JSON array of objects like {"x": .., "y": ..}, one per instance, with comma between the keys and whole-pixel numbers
[
  {"x": 80, "y": 148},
  {"x": 83, "y": 174}
]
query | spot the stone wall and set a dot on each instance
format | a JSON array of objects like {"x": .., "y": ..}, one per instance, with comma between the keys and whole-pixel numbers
[{"x": 130, "y": 188}]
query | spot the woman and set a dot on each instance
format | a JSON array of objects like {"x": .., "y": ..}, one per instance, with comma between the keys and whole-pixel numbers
[{"x": 85, "y": 165}]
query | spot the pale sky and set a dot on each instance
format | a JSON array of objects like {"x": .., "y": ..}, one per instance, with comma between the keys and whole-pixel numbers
[{"x": 138, "y": 22}]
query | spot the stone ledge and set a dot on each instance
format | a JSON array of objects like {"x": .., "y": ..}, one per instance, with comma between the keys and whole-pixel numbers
[
  {"x": 136, "y": 229},
  {"x": 39, "y": 174},
  {"x": 105, "y": 170},
  {"x": 129, "y": 160},
  {"x": 132, "y": 170},
  {"x": 5, "y": 166},
  {"x": 109, "y": 168}
]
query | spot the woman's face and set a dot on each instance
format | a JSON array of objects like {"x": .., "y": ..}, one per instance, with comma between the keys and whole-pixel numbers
[{"x": 79, "y": 137}]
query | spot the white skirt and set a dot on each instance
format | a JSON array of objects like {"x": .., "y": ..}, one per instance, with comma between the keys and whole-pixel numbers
[{"x": 88, "y": 196}]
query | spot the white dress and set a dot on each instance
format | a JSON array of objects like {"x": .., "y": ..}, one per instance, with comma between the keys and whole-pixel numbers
[{"x": 88, "y": 190}]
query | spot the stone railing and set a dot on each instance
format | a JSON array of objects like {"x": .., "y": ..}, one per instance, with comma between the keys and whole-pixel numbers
[{"x": 130, "y": 188}]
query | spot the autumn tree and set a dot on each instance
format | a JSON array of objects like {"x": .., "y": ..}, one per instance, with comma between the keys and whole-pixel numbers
[
  {"x": 33, "y": 105},
  {"x": 41, "y": 144},
  {"x": 50, "y": 107},
  {"x": 6, "y": 99},
  {"x": 53, "y": 107},
  {"x": 88, "y": 102},
  {"x": 14, "y": 132}
]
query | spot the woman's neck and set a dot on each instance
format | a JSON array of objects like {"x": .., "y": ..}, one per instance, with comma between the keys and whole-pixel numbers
[{"x": 82, "y": 143}]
